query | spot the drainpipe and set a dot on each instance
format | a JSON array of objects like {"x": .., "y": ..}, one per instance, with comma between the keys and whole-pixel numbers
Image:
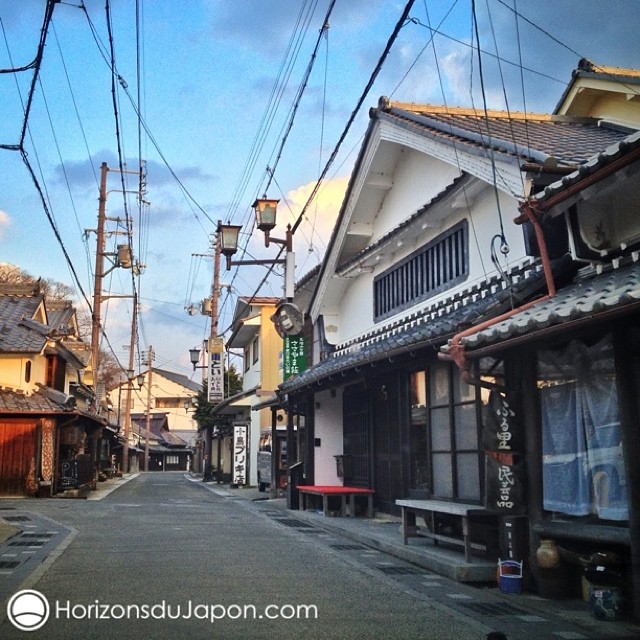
[{"x": 457, "y": 349}]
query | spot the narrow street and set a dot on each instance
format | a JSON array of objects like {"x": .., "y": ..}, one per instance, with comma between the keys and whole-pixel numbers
[{"x": 162, "y": 553}]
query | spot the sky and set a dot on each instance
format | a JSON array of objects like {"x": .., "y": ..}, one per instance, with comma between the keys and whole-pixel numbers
[{"x": 211, "y": 93}]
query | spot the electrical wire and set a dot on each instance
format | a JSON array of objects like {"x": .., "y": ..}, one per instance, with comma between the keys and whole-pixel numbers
[
  {"x": 303, "y": 85},
  {"x": 455, "y": 146},
  {"x": 392, "y": 38}
]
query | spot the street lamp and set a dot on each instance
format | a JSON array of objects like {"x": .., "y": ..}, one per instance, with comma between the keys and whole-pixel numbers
[
  {"x": 228, "y": 238},
  {"x": 288, "y": 319},
  {"x": 131, "y": 374},
  {"x": 265, "y": 211},
  {"x": 194, "y": 357}
]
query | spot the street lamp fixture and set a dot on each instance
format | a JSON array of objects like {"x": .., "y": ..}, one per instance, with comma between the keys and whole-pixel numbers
[
  {"x": 228, "y": 235},
  {"x": 131, "y": 376},
  {"x": 194, "y": 356},
  {"x": 265, "y": 210}
]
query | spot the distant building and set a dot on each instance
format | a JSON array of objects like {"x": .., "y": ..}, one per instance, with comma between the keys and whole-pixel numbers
[{"x": 172, "y": 398}]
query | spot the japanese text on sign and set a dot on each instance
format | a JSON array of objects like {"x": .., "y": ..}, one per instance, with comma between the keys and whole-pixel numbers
[
  {"x": 294, "y": 356},
  {"x": 504, "y": 435},
  {"x": 216, "y": 379},
  {"x": 240, "y": 451},
  {"x": 506, "y": 483}
]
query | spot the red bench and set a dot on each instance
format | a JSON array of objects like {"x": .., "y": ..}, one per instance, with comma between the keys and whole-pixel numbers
[{"x": 343, "y": 492}]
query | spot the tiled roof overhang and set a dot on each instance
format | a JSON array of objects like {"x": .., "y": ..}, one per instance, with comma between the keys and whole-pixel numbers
[
  {"x": 613, "y": 158},
  {"x": 429, "y": 330},
  {"x": 594, "y": 298},
  {"x": 16, "y": 403},
  {"x": 537, "y": 138}
]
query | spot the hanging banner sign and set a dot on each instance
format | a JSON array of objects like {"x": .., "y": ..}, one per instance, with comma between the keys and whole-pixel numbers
[
  {"x": 294, "y": 360},
  {"x": 216, "y": 378},
  {"x": 240, "y": 454},
  {"x": 504, "y": 470}
]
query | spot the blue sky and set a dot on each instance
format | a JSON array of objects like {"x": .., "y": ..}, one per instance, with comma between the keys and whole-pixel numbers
[{"x": 208, "y": 70}]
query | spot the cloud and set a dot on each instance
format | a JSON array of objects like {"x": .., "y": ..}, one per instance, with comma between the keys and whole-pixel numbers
[
  {"x": 5, "y": 223},
  {"x": 85, "y": 172},
  {"x": 314, "y": 232},
  {"x": 265, "y": 26}
]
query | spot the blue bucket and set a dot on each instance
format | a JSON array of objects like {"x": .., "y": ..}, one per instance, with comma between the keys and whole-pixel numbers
[{"x": 510, "y": 576}]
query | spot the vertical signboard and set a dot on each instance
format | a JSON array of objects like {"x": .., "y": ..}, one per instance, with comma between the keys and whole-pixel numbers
[
  {"x": 294, "y": 357},
  {"x": 240, "y": 454},
  {"x": 216, "y": 375},
  {"x": 504, "y": 471}
]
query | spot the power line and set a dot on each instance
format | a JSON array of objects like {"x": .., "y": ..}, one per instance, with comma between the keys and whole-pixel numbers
[{"x": 392, "y": 38}]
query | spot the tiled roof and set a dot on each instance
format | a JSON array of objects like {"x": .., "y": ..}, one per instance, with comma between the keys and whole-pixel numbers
[
  {"x": 12, "y": 401},
  {"x": 158, "y": 426},
  {"x": 529, "y": 137},
  {"x": 172, "y": 439},
  {"x": 41, "y": 402},
  {"x": 60, "y": 315},
  {"x": 587, "y": 298},
  {"x": 18, "y": 332},
  {"x": 179, "y": 378},
  {"x": 431, "y": 327},
  {"x": 628, "y": 148},
  {"x": 588, "y": 69},
  {"x": 609, "y": 72},
  {"x": 158, "y": 422}
]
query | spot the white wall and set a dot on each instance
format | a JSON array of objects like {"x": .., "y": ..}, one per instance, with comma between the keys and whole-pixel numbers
[
  {"x": 411, "y": 190},
  {"x": 328, "y": 427},
  {"x": 356, "y": 306}
]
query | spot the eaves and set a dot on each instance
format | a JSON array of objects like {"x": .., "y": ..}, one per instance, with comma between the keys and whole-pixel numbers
[
  {"x": 429, "y": 329},
  {"x": 613, "y": 158}
]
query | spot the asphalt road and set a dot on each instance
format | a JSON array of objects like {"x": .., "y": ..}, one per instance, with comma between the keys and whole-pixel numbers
[{"x": 163, "y": 557}]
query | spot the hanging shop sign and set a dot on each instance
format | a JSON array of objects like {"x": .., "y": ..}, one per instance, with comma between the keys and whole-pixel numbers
[
  {"x": 216, "y": 376},
  {"x": 504, "y": 467},
  {"x": 294, "y": 359}
]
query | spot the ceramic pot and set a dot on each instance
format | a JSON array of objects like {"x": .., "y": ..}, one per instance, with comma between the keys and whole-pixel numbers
[{"x": 548, "y": 554}]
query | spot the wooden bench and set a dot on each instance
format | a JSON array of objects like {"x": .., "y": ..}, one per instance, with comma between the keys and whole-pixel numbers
[
  {"x": 343, "y": 492},
  {"x": 410, "y": 508}
]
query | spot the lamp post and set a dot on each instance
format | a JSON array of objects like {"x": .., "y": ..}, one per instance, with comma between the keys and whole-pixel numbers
[
  {"x": 265, "y": 211},
  {"x": 288, "y": 319}
]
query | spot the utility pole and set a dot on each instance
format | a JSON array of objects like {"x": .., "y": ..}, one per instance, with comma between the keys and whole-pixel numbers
[
  {"x": 97, "y": 287},
  {"x": 120, "y": 259},
  {"x": 127, "y": 411},
  {"x": 215, "y": 294},
  {"x": 150, "y": 358},
  {"x": 212, "y": 351}
]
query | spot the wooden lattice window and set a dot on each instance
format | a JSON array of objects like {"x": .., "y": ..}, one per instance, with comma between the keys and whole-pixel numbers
[{"x": 439, "y": 265}]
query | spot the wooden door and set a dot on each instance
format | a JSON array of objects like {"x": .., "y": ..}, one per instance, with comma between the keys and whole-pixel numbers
[
  {"x": 17, "y": 455},
  {"x": 357, "y": 448},
  {"x": 387, "y": 474}
]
